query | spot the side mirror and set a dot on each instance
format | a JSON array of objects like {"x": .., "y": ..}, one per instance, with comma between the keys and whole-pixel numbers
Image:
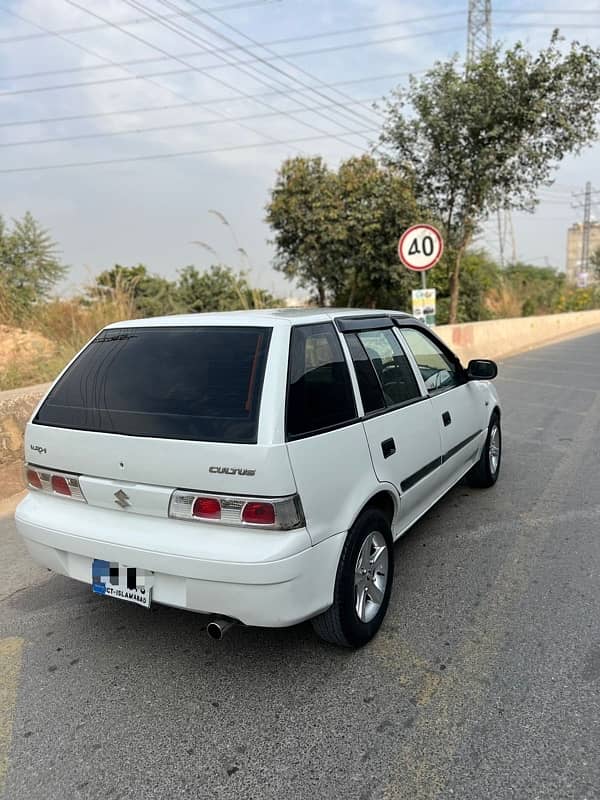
[{"x": 481, "y": 369}]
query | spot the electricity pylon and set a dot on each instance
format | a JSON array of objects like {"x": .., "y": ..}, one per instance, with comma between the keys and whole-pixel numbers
[
  {"x": 584, "y": 264},
  {"x": 479, "y": 28},
  {"x": 479, "y": 39}
]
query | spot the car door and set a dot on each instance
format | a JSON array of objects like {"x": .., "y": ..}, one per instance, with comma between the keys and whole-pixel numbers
[
  {"x": 326, "y": 442},
  {"x": 398, "y": 418},
  {"x": 459, "y": 405}
]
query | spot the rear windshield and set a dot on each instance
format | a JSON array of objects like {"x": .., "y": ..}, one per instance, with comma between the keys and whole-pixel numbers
[{"x": 202, "y": 384}]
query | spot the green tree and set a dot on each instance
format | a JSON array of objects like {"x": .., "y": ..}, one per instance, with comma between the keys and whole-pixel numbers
[
  {"x": 476, "y": 141},
  {"x": 480, "y": 275},
  {"x": 304, "y": 210},
  {"x": 30, "y": 266},
  {"x": 539, "y": 288},
  {"x": 336, "y": 232},
  {"x": 218, "y": 289},
  {"x": 595, "y": 262},
  {"x": 152, "y": 295},
  {"x": 377, "y": 205}
]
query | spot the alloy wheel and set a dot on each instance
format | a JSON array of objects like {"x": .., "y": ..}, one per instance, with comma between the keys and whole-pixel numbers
[{"x": 370, "y": 576}]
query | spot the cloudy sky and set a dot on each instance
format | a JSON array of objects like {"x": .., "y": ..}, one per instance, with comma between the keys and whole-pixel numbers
[{"x": 125, "y": 124}]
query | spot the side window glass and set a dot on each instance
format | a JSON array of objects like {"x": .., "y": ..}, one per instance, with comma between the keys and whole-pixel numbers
[
  {"x": 393, "y": 370},
  {"x": 320, "y": 393},
  {"x": 438, "y": 372},
  {"x": 368, "y": 382}
]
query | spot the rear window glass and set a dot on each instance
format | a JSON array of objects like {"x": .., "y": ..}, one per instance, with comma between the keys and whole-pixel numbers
[
  {"x": 198, "y": 383},
  {"x": 320, "y": 393}
]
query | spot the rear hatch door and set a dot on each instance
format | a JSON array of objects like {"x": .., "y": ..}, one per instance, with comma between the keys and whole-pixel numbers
[{"x": 149, "y": 409}]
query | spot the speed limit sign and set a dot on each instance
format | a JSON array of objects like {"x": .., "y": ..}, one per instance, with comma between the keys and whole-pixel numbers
[{"x": 420, "y": 247}]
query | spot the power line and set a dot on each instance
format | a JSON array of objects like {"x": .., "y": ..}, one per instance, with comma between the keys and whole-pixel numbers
[
  {"x": 169, "y": 127},
  {"x": 146, "y": 78},
  {"x": 249, "y": 3},
  {"x": 266, "y": 48},
  {"x": 214, "y": 111},
  {"x": 545, "y": 11},
  {"x": 212, "y": 77},
  {"x": 178, "y": 154},
  {"x": 546, "y": 25},
  {"x": 193, "y": 103},
  {"x": 191, "y": 54},
  {"x": 137, "y": 21},
  {"x": 190, "y": 36},
  {"x": 210, "y": 67}
]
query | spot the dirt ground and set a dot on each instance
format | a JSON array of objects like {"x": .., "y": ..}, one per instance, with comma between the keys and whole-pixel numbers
[{"x": 15, "y": 342}]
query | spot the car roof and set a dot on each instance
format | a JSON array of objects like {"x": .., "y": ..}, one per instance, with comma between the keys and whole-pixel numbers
[{"x": 271, "y": 317}]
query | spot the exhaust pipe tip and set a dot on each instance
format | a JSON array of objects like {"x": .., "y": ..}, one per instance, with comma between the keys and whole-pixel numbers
[{"x": 217, "y": 628}]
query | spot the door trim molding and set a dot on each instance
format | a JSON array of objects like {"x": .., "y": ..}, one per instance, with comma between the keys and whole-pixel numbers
[{"x": 426, "y": 470}]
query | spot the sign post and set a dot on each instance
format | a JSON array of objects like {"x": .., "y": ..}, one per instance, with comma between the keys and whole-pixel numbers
[{"x": 419, "y": 249}]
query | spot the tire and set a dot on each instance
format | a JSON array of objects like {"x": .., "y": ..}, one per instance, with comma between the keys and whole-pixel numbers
[
  {"x": 341, "y": 624},
  {"x": 485, "y": 473}
]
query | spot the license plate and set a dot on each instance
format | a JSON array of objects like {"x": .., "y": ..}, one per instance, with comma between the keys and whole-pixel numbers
[{"x": 124, "y": 583}]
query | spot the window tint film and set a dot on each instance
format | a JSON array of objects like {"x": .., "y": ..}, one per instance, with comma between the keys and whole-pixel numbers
[
  {"x": 437, "y": 371},
  {"x": 368, "y": 382},
  {"x": 320, "y": 393},
  {"x": 395, "y": 374},
  {"x": 198, "y": 383}
]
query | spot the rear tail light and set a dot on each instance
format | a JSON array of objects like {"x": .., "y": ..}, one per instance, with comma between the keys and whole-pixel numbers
[
  {"x": 280, "y": 513},
  {"x": 33, "y": 479},
  {"x": 259, "y": 513},
  {"x": 53, "y": 482},
  {"x": 59, "y": 485},
  {"x": 206, "y": 508}
]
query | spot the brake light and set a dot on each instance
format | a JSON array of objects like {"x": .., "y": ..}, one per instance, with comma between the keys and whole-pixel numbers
[
  {"x": 206, "y": 508},
  {"x": 33, "y": 479},
  {"x": 277, "y": 513},
  {"x": 60, "y": 486},
  {"x": 257, "y": 513},
  {"x": 54, "y": 482}
]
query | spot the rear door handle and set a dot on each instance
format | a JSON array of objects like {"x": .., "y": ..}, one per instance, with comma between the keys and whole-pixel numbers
[
  {"x": 446, "y": 418},
  {"x": 388, "y": 448}
]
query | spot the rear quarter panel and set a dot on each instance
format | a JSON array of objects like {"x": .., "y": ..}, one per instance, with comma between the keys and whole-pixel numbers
[{"x": 335, "y": 477}]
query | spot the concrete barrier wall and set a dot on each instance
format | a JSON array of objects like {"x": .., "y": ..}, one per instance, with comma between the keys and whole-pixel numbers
[
  {"x": 494, "y": 339},
  {"x": 500, "y": 338}
]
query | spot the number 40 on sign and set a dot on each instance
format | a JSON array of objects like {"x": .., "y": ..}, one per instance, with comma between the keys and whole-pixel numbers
[{"x": 420, "y": 247}]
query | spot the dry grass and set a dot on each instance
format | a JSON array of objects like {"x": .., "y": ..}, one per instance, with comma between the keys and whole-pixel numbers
[
  {"x": 36, "y": 345},
  {"x": 504, "y": 302}
]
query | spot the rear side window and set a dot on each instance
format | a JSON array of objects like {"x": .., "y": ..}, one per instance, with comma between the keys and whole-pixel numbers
[
  {"x": 196, "y": 383},
  {"x": 370, "y": 388},
  {"x": 320, "y": 393},
  {"x": 396, "y": 377}
]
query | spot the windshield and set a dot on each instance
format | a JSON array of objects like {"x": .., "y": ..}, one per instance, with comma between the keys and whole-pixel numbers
[{"x": 198, "y": 383}]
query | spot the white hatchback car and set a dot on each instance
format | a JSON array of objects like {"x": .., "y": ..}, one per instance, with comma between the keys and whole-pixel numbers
[{"x": 254, "y": 466}]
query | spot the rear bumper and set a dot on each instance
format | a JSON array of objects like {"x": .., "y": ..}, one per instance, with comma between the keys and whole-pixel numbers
[{"x": 207, "y": 569}]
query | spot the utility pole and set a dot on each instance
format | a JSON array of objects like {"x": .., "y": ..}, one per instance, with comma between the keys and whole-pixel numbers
[
  {"x": 584, "y": 264},
  {"x": 479, "y": 39}
]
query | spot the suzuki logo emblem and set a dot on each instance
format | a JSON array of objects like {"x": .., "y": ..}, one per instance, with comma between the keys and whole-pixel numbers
[{"x": 122, "y": 499}]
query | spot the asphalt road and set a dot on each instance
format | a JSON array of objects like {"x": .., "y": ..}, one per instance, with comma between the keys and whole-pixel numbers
[{"x": 483, "y": 683}]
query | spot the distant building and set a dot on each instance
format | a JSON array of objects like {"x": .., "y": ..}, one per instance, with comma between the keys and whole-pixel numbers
[{"x": 574, "y": 242}]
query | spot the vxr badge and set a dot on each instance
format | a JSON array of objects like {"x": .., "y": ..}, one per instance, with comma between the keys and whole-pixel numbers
[{"x": 122, "y": 499}]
